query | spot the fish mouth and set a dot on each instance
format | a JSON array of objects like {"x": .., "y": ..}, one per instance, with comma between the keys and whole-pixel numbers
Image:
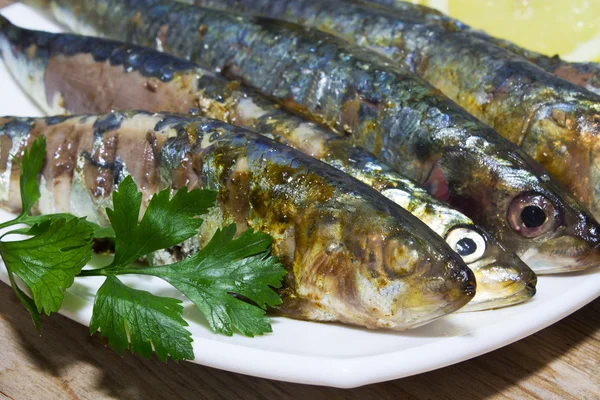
[
  {"x": 499, "y": 286},
  {"x": 561, "y": 256},
  {"x": 502, "y": 294},
  {"x": 452, "y": 301},
  {"x": 459, "y": 290},
  {"x": 431, "y": 299}
]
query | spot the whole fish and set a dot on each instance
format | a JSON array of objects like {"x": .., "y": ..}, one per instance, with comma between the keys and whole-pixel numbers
[
  {"x": 351, "y": 254},
  {"x": 554, "y": 121},
  {"x": 393, "y": 113},
  {"x": 76, "y": 74},
  {"x": 584, "y": 74}
]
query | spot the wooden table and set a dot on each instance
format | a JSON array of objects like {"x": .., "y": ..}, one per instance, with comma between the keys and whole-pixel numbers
[{"x": 562, "y": 361}]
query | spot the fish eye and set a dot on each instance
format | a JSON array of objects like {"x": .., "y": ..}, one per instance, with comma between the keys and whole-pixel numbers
[
  {"x": 468, "y": 243},
  {"x": 531, "y": 215}
]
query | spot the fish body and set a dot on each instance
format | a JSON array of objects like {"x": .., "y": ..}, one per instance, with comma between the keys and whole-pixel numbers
[
  {"x": 71, "y": 74},
  {"x": 351, "y": 254},
  {"x": 554, "y": 121},
  {"x": 390, "y": 111},
  {"x": 584, "y": 74}
]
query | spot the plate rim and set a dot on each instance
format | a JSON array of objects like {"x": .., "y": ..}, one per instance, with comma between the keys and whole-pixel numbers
[{"x": 354, "y": 371}]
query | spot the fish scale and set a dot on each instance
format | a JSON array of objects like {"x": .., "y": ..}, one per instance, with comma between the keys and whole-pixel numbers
[
  {"x": 585, "y": 74},
  {"x": 491, "y": 183},
  {"x": 553, "y": 120},
  {"x": 505, "y": 279},
  {"x": 375, "y": 243}
]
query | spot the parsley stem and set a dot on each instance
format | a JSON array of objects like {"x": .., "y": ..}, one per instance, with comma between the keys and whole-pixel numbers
[
  {"x": 10, "y": 223},
  {"x": 112, "y": 271},
  {"x": 94, "y": 272}
]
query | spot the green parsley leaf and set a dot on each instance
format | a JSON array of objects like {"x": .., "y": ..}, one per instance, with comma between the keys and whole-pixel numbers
[
  {"x": 27, "y": 302},
  {"x": 99, "y": 232},
  {"x": 139, "y": 320},
  {"x": 32, "y": 230},
  {"x": 230, "y": 280},
  {"x": 166, "y": 222},
  {"x": 31, "y": 164},
  {"x": 49, "y": 261},
  {"x": 228, "y": 266}
]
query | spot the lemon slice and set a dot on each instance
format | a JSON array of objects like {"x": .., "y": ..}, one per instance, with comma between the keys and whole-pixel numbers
[
  {"x": 587, "y": 51},
  {"x": 568, "y": 28}
]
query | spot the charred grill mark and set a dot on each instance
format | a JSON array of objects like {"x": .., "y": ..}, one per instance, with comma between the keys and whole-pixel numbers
[
  {"x": 65, "y": 142},
  {"x": 19, "y": 127},
  {"x": 102, "y": 169},
  {"x": 108, "y": 123},
  {"x": 150, "y": 167},
  {"x": 62, "y": 162},
  {"x": 103, "y": 180}
]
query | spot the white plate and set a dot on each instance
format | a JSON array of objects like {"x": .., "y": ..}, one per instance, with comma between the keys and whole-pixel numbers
[{"x": 333, "y": 354}]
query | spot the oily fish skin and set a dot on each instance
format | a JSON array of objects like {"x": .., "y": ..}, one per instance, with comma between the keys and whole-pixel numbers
[
  {"x": 351, "y": 254},
  {"x": 76, "y": 74},
  {"x": 393, "y": 113},
  {"x": 584, "y": 74},
  {"x": 555, "y": 122}
]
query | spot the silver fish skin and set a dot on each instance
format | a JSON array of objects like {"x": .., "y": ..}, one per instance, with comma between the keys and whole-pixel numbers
[
  {"x": 584, "y": 74},
  {"x": 553, "y": 120},
  {"x": 393, "y": 113},
  {"x": 351, "y": 254},
  {"x": 71, "y": 74}
]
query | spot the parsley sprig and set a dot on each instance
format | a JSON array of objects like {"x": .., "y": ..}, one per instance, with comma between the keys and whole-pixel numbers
[
  {"x": 230, "y": 280},
  {"x": 56, "y": 251}
]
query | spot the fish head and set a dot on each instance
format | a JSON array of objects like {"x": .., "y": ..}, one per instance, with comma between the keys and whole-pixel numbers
[
  {"x": 562, "y": 235},
  {"x": 382, "y": 267},
  {"x": 503, "y": 279},
  {"x": 513, "y": 197}
]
